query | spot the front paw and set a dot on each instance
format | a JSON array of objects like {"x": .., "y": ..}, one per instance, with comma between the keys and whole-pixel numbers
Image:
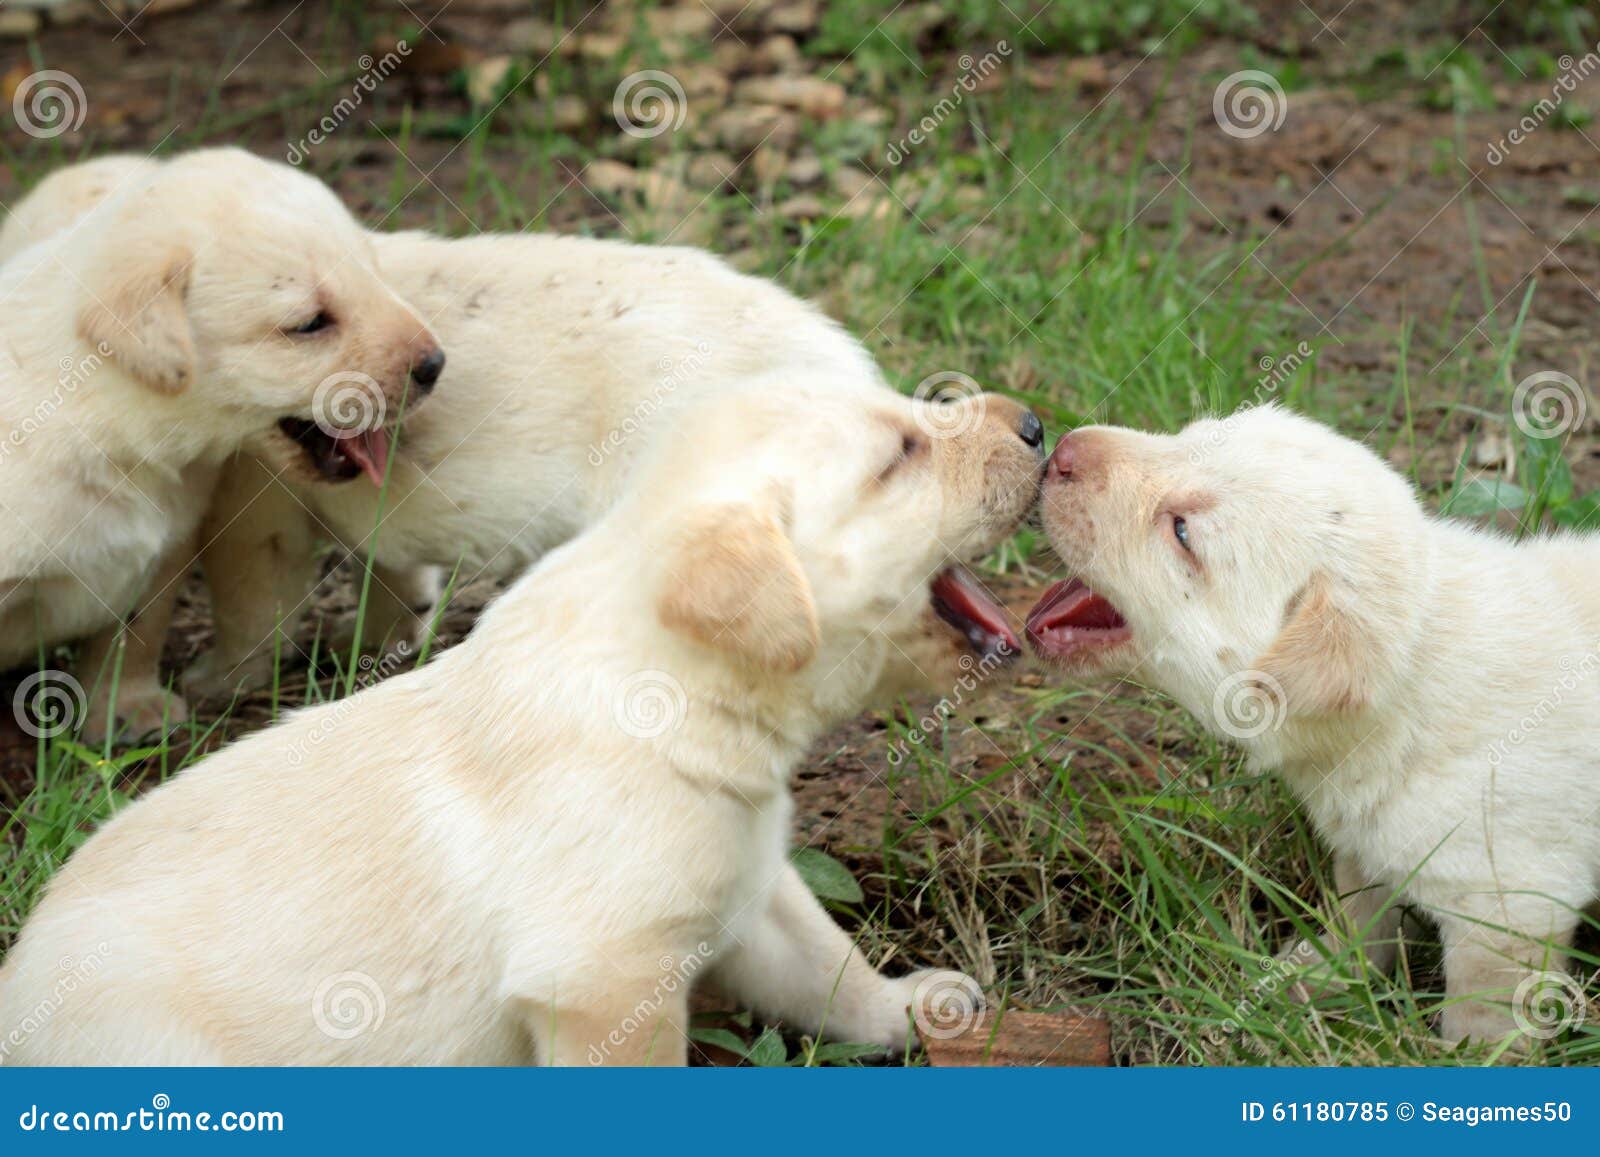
[
  {"x": 140, "y": 711},
  {"x": 214, "y": 679},
  {"x": 936, "y": 1003}
]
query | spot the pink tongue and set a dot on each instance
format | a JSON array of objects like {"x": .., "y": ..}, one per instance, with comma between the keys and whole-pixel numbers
[{"x": 369, "y": 450}]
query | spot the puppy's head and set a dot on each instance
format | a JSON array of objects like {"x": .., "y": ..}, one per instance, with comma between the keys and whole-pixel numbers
[
  {"x": 817, "y": 534},
  {"x": 1259, "y": 565},
  {"x": 247, "y": 287}
]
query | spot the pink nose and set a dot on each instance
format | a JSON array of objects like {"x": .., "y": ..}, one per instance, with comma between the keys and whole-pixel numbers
[{"x": 1063, "y": 458}]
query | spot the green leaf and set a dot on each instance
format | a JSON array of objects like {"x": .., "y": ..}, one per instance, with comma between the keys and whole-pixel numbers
[
  {"x": 1581, "y": 513},
  {"x": 826, "y": 876},
  {"x": 1482, "y": 496},
  {"x": 768, "y": 1051},
  {"x": 719, "y": 1038}
]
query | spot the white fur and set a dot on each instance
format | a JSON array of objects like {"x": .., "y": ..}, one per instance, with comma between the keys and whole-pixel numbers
[
  {"x": 140, "y": 345},
  {"x": 485, "y": 848},
  {"x": 1394, "y": 659}
]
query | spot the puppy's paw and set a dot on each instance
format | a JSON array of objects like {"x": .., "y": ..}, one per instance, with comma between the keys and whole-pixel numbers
[
  {"x": 934, "y": 1002},
  {"x": 211, "y": 678},
  {"x": 142, "y": 710},
  {"x": 1472, "y": 1020}
]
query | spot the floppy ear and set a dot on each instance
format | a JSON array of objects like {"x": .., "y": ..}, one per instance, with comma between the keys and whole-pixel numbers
[
  {"x": 1326, "y": 660},
  {"x": 733, "y": 583},
  {"x": 134, "y": 309}
]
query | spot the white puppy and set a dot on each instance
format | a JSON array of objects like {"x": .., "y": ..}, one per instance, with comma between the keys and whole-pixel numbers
[
  {"x": 1428, "y": 690},
  {"x": 519, "y": 851},
  {"x": 565, "y": 353},
  {"x": 200, "y": 302}
]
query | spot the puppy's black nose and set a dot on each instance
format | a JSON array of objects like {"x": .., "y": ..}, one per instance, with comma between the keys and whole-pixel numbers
[
  {"x": 1031, "y": 430},
  {"x": 426, "y": 372}
]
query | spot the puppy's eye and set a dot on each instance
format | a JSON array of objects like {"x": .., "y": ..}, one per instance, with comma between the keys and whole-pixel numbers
[
  {"x": 1180, "y": 531},
  {"x": 320, "y": 321}
]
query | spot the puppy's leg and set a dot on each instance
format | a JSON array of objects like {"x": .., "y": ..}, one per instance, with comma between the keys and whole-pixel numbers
[
  {"x": 400, "y": 605},
  {"x": 126, "y": 660},
  {"x": 1490, "y": 971},
  {"x": 795, "y": 963},
  {"x": 1364, "y": 913},
  {"x": 639, "y": 1024},
  {"x": 259, "y": 557}
]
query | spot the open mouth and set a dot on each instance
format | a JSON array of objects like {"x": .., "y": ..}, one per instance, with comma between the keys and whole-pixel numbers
[
  {"x": 338, "y": 458},
  {"x": 960, "y": 600},
  {"x": 1071, "y": 619}
]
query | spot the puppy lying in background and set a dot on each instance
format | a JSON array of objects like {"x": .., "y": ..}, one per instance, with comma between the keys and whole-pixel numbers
[
  {"x": 1283, "y": 584},
  {"x": 565, "y": 354},
  {"x": 515, "y": 853},
  {"x": 201, "y": 301}
]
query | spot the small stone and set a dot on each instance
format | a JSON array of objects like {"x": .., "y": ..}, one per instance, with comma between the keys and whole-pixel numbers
[
  {"x": 703, "y": 83},
  {"x": 848, "y": 181},
  {"x": 606, "y": 46},
  {"x": 805, "y": 207},
  {"x": 609, "y": 177},
  {"x": 777, "y": 54},
  {"x": 529, "y": 35},
  {"x": 693, "y": 21},
  {"x": 745, "y": 127},
  {"x": 767, "y": 164},
  {"x": 793, "y": 16},
  {"x": 816, "y": 98},
  {"x": 19, "y": 22},
  {"x": 562, "y": 113},
  {"x": 804, "y": 170},
  {"x": 485, "y": 77},
  {"x": 711, "y": 170}
]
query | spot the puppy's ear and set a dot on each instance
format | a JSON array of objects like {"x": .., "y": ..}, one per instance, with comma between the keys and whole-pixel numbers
[
  {"x": 1327, "y": 659},
  {"x": 134, "y": 308},
  {"x": 733, "y": 583}
]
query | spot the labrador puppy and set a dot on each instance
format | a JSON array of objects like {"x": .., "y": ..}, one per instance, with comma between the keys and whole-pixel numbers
[
  {"x": 189, "y": 306},
  {"x": 525, "y": 850},
  {"x": 566, "y": 353},
  {"x": 1425, "y": 688}
]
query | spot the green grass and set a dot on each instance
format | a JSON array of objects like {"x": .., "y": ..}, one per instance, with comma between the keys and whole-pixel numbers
[{"x": 1098, "y": 848}]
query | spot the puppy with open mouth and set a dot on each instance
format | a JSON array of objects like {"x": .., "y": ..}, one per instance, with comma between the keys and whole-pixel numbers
[
  {"x": 183, "y": 307},
  {"x": 525, "y": 850},
  {"x": 1429, "y": 691}
]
